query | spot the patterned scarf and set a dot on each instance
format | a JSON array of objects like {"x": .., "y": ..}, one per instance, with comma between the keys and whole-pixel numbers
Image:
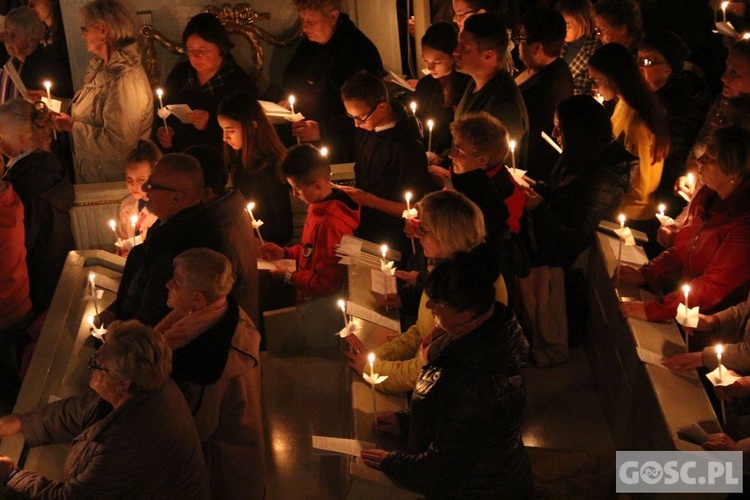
[
  {"x": 216, "y": 82},
  {"x": 439, "y": 339}
]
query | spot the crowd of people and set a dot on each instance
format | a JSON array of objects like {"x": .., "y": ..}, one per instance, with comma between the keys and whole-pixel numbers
[{"x": 502, "y": 215}]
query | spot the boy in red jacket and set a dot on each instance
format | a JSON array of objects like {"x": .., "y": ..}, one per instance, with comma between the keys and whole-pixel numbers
[{"x": 331, "y": 214}]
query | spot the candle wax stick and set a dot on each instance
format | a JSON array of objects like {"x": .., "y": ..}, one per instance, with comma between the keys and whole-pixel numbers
[
  {"x": 723, "y": 414},
  {"x": 430, "y": 125},
  {"x": 371, "y": 360},
  {"x": 92, "y": 287},
  {"x": 342, "y": 306},
  {"x": 48, "y": 85},
  {"x": 513, "y": 154}
]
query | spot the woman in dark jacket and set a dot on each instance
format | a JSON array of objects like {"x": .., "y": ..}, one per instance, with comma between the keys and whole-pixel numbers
[
  {"x": 202, "y": 82},
  {"x": 464, "y": 421},
  {"x": 585, "y": 186}
]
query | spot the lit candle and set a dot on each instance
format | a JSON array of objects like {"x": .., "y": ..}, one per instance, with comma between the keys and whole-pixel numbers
[
  {"x": 686, "y": 292},
  {"x": 724, "y": 6},
  {"x": 292, "y": 100},
  {"x": 113, "y": 226},
  {"x": 621, "y": 218},
  {"x": 133, "y": 222},
  {"x": 383, "y": 252},
  {"x": 599, "y": 98},
  {"x": 250, "y": 207},
  {"x": 371, "y": 361},
  {"x": 48, "y": 85},
  {"x": 407, "y": 196},
  {"x": 719, "y": 351},
  {"x": 160, "y": 94},
  {"x": 691, "y": 182},
  {"x": 430, "y": 125},
  {"x": 413, "y": 107},
  {"x": 342, "y": 305},
  {"x": 324, "y": 151},
  {"x": 746, "y": 35},
  {"x": 90, "y": 321},
  {"x": 662, "y": 208},
  {"x": 92, "y": 287},
  {"x": 513, "y": 154}
]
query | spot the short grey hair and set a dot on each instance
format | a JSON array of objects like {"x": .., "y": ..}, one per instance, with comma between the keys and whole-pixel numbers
[
  {"x": 114, "y": 14},
  {"x": 25, "y": 20},
  {"x": 138, "y": 353},
  {"x": 206, "y": 271}
]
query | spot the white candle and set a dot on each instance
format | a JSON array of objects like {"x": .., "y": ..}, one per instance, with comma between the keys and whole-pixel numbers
[
  {"x": 383, "y": 252},
  {"x": 513, "y": 154},
  {"x": 324, "y": 151},
  {"x": 719, "y": 350},
  {"x": 621, "y": 218},
  {"x": 160, "y": 94},
  {"x": 413, "y": 107},
  {"x": 662, "y": 208},
  {"x": 724, "y": 6},
  {"x": 92, "y": 286},
  {"x": 342, "y": 305},
  {"x": 407, "y": 197},
  {"x": 250, "y": 207},
  {"x": 686, "y": 291},
  {"x": 371, "y": 360},
  {"x": 48, "y": 85},
  {"x": 292, "y": 100},
  {"x": 133, "y": 222},
  {"x": 113, "y": 226},
  {"x": 430, "y": 126},
  {"x": 691, "y": 182}
]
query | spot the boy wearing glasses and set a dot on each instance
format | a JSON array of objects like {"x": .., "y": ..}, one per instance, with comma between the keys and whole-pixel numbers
[{"x": 389, "y": 160}]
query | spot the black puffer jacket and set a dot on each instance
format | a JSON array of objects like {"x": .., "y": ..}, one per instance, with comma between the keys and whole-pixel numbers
[
  {"x": 563, "y": 225},
  {"x": 464, "y": 422}
]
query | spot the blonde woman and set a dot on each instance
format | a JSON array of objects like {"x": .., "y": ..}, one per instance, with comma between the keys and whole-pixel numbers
[{"x": 114, "y": 108}]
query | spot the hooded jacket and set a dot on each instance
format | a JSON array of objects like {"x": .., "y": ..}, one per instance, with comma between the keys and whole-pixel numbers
[
  {"x": 464, "y": 420},
  {"x": 711, "y": 251},
  {"x": 111, "y": 112},
  {"x": 14, "y": 277},
  {"x": 318, "y": 270},
  {"x": 47, "y": 194},
  {"x": 387, "y": 164}
]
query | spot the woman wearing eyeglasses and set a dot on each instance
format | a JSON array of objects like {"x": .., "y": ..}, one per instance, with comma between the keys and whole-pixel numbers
[
  {"x": 114, "y": 108},
  {"x": 640, "y": 123},
  {"x": 619, "y": 21},
  {"x": 448, "y": 223},
  {"x": 208, "y": 76},
  {"x": 131, "y": 436},
  {"x": 661, "y": 58}
]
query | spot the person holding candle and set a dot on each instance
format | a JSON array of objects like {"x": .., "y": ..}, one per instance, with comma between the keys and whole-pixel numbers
[
  {"x": 479, "y": 54},
  {"x": 138, "y": 167},
  {"x": 448, "y": 223},
  {"x": 215, "y": 363},
  {"x": 45, "y": 190},
  {"x": 711, "y": 250},
  {"x": 254, "y": 153},
  {"x": 332, "y": 50},
  {"x": 580, "y": 41},
  {"x": 331, "y": 214},
  {"x": 130, "y": 436},
  {"x": 114, "y": 107},
  {"x": 53, "y": 41},
  {"x": 439, "y": 92},
  {"x": 208, "y": 76},
  {"x": 463, "y": 425},
  {"x": 641, "y": 124},
  {"x": 543, "y": 84},
  {"x": 389, "y": 160}
]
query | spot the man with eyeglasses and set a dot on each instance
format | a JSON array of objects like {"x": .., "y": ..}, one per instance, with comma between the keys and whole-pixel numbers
[
  {"x": 389, "y": 160},
  {"x": 481, "y": 48},
  {"x": 175, "y": 195}
]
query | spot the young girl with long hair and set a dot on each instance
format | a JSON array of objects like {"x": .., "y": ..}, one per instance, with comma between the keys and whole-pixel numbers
[{"x": 253, "y": 153}]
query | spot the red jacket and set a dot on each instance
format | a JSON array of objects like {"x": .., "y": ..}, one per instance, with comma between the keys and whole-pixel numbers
[
  {"x": 511, "y": 193},
  {"x": 711, "y": 252},
  {"x": 14, "y": 277},
  {"x": 318, "y": 271}
]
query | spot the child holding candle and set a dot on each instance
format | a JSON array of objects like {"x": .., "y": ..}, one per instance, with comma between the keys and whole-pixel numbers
[
  {"x": 331, "y": 214},
  {"x": 138, "y": 167}
]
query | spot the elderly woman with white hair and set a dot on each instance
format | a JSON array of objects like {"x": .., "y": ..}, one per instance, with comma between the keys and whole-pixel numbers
[
  {"x": 24, "y": 32},
  {"x": 216, "y": 365},
  {"x": 114, "y": 108},
  {"x": 132, "y": 435}
]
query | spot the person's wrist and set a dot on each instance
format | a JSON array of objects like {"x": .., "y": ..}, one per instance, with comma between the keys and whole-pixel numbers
[{"x": 12, "y": 473}]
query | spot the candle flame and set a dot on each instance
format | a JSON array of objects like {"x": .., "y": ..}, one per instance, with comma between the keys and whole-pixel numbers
[
  {"x": 686, "y": 289},
  {"x": 691, "y": 178},
  {"x": 621, "y": 218},
  {"x": 112, "y": 224},
  {"x": 662, "y": 208},
  {"x": 408, "y": 196},
  {"x": 430, "y": 124},
  {"x": 719, "y": 349},
  {"x": 413, "y": 106},
  {"x": 371, "y": 358},
  {"x": 159, "y": 93},
  {"x": 746, "y": 35},
  {"x": 324, "y": 151},
  {"x": 292, "y": 100},
  {"x": 250, "y": 206},
  {"x": 90, "y": 321},
  {"x": 724, "y": 5},
  {"x": 342, "y": 304},
  {"x": 512, "y": 145},
  {"x": 47, "y": 85},
  {"x": 92, "y": 278},
  {"x": 384, "y": 250},
  {"x": 134, "y": 220}
]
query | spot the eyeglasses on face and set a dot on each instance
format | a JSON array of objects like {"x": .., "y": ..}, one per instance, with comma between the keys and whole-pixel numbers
[
  {"x": 597, "y": 81},
  {"x": 646, "y": 62},
  {"x": 198, "y": 52},
  {"x": 152, "y": 186},
  {"x": 94, "y": 365},
  {"x": 364, "y": 119}
]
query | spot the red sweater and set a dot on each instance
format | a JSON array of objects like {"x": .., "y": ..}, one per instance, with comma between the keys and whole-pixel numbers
[
  {"x": 711, "y": 252},
  {"x": 14, "y": 277},
  {"x": 318, "y": 270},
  {"x": 511, "y": 193}
]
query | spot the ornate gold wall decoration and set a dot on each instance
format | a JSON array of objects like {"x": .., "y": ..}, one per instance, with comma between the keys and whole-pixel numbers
[{"x": 237, "y": 19}]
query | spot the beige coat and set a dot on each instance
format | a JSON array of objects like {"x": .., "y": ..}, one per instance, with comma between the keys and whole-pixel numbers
[
  {"x": 228, "y": 417},
  {"x": 111, "y": 112}
]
